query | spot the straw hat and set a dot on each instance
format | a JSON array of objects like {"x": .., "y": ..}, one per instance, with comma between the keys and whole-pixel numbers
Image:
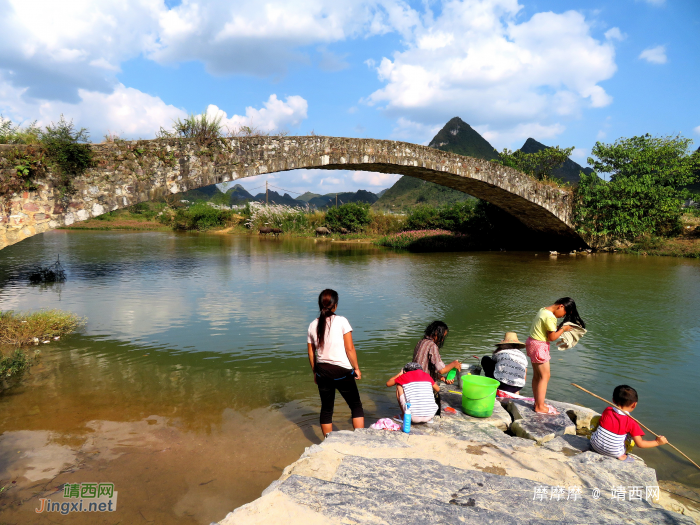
[{"x": 511, "y": 338}]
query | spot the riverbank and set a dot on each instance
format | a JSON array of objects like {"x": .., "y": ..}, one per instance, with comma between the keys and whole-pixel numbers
[
  {"x": 467, "y": 470},
  {"x": 388, "y": 231}
]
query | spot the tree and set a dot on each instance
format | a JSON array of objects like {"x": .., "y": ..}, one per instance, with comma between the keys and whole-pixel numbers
[
  {"x": 538, "y": 165},
  {"x": 352, "y": 216},
  {"x": 646, "y": 190}
]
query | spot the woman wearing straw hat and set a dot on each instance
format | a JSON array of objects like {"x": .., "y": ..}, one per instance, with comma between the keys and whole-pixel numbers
[{"x": 507, "y": 364}]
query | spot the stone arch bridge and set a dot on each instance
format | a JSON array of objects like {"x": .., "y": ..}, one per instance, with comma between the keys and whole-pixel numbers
[{"x": 129, "y": 172}]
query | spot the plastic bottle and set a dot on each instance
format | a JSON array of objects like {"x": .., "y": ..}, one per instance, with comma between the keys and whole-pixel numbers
[
  {"x": 451, "y": 374},
  {"x": 407, "y": 419}
]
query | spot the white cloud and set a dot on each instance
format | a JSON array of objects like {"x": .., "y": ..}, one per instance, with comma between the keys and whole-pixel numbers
[
  {"x": 614, "y": 33},
  {"x": 275, "y": 116},
  {"x": 654, "y": 55},
  {"x": 496, "y": 69},
  {"x": 518, "y": 133},
  {"x": 653, "y": 2},
  {"x": 319, "y": 181},
  {"x": 697, "y": 130},
  {"x": 408, "y": 130},
  {"x": 125, "y": 111},
  {"x": 262, "y": 38},
  {"x": 53, "y": 51},
  {"x": 371, "y": 178},
  {"x": 580, "y": 155}
]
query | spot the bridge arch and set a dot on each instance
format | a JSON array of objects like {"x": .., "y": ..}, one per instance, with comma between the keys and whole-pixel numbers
[{"x": 129, "y": 172}]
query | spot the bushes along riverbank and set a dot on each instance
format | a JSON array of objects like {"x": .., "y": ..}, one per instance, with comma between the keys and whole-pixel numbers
[{"x": 19, "y": 329}]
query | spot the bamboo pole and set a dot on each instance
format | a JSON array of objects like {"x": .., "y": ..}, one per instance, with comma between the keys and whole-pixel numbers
[{"x": 640, "y": 424}]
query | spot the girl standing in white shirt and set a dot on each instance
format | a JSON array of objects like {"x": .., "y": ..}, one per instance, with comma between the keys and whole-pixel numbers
[{"x": 333, "y": 361}]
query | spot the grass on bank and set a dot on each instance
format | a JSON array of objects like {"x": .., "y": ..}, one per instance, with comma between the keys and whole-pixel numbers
[
  {"x": 20, "y": 329},
  {"x": 15, "y": 364}
]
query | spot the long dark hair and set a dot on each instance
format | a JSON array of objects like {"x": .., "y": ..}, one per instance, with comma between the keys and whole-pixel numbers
[
  {"x": 572, "y": 315},
  {"x": 327, "y": 300},
  {"x": 436, "y": 330}
]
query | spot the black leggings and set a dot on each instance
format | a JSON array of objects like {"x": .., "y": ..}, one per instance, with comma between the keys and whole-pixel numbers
[{"x": 347, "y": 388}]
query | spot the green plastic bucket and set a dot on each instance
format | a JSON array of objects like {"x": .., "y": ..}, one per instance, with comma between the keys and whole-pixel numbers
[{"x": 478, "y": 395}]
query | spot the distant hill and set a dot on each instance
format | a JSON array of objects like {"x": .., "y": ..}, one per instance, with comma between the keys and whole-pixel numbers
[
  {"x": 380, "y": 193},
  {"x": 239, "y": 195},
  {"x": 569, "y": 172},
  {"x": 324, "y": 201},
  {"x": 200, "y": 194},
  {"x": 456, "y": 137},
  {"x": 275, "y": 198},
  {"x": 306, "y": 197},
  {"x": 459, "y": 137}
]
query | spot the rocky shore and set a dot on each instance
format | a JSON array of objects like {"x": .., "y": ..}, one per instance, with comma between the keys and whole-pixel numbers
[{"x": 516, "y": 467}]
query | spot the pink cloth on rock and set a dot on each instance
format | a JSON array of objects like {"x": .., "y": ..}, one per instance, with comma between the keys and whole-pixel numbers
[{"x": 385, "y": 424}]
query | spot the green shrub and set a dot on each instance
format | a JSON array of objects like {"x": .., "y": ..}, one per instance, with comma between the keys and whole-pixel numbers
[
  {"x": 287, "y": 218},
  {"x": 385, "y": 223},
  {"x": 205, "y": 129},
  {"x": 11, "y": 133},
  {"x": 646, "y": 190},
  {"x": 353, "y": 216},
  {"x": 455, "y": 217},
  {"x": 14, "y": 365},
  {"x": 67, "y": 151},
  {"x": 200, "y": 216},
  {"x": 22, "y": 329},
  {"x": 538, "y": 165}
]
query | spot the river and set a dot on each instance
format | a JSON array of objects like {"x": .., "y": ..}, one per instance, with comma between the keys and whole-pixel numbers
[{"x": 190, "y": 387}]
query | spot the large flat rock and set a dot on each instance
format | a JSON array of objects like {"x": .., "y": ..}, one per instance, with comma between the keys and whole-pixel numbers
[
  {"x": 418, "y": 491},
  {"x": 353, "y": 505},
  {"x": 517, "y": 498},
  {"x": 539, "y": 427},
  {"x": 500, "y": 418},
  {"x": 461, "y": 470}
]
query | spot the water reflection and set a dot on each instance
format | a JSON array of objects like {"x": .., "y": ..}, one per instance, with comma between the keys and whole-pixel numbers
[{"x": 190, "y": 333}]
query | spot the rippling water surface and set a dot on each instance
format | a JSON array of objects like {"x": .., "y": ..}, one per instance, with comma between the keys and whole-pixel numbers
[{"x": 190, "y": 388}]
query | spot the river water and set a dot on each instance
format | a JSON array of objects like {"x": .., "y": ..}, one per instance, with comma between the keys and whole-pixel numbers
[{"x": 190, "y": 388}]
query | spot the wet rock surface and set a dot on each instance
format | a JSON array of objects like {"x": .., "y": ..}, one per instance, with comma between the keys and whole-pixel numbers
[
  {"x": 459, "y": 469},
  {"x": 539, "y": 427}
]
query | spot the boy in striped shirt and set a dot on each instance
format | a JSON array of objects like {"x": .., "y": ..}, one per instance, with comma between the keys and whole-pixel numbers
[
  {"x": 616, "y": 424},
  {"x": 414, "y": 386}
]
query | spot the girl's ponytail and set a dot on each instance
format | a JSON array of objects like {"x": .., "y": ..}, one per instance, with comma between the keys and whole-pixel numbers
[
  {"x": 572, "y": 315},
  {"x": 327, "y": 300}
]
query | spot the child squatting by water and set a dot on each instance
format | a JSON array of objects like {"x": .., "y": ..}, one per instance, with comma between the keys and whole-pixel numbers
[
  {"x": 616, "y": 425},
  {"x": 416, "y": 387}
]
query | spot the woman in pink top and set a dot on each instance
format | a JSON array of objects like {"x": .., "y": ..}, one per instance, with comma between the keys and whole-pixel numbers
[{"x": 334, "y": 361}]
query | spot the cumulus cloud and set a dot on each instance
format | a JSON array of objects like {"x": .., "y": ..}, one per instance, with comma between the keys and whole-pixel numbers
[
  {"x": 53, "y": 51},
  {"x": 477, "y": 59},
  {"x": 373, "y": 179},
  {"x": 406, "y": 129},
  {"x": 654, "y": 55},
  {"x": 124, "y": 111},
  {"x": 262, "y": 38},
  {"x": 697, "y": 130},
  {"x": 276, "y": 115}
]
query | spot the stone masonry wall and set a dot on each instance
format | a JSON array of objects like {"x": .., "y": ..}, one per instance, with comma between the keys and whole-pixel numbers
[{"x": 129, "y": 172}]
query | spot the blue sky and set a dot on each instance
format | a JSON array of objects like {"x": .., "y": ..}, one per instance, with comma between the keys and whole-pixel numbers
[{"x": 565, "y": 73}]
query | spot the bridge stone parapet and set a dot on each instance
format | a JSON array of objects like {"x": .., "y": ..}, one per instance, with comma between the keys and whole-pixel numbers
[{"x": 129, "y": 172}]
